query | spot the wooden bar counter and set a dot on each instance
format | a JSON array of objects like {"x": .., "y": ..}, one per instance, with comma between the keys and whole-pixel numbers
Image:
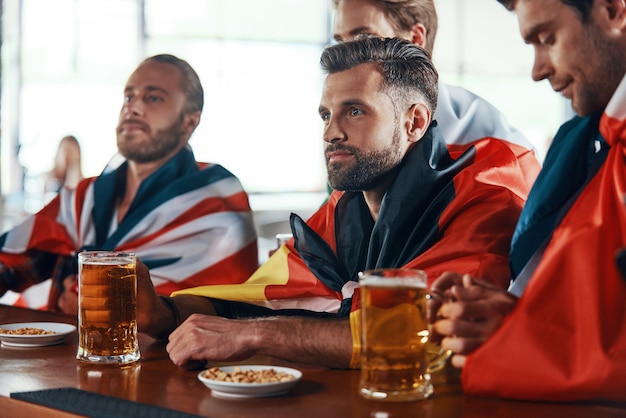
[{"x": 156, "y": 381}]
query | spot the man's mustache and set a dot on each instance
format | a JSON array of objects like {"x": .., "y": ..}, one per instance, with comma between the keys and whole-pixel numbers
[
  {"x": 140, "y": 123},
  {"x": 341, "y": 147}
]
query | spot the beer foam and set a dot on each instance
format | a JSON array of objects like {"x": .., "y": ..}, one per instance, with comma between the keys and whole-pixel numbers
[
  {"x": 113, "y": 261},
  {"x": 389, "y": 282}
]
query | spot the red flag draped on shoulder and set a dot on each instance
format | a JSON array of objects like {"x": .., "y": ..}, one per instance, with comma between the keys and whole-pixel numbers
[
  {"x": 442, "y": 214},
  {"x": 566, "y": 338}
]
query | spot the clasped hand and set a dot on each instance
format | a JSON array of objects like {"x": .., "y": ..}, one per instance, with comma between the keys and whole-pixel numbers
[{"x": 467, "y": 313}]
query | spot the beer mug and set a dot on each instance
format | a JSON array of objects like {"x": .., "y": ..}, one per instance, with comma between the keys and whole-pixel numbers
[
  {"x": 396, "y": 354},
  {"x": 107, "y": 307}
]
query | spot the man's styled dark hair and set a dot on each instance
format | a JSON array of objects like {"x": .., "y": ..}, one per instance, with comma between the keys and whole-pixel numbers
[
  {"x": 191, "y": 82},
  {"x": 407, "y": 69}
]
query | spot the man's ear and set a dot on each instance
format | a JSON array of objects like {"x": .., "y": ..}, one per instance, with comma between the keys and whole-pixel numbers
[
  {"x": 418, "y": 121},
  {"x": 190, "y": 123},
  {"x": 616, "y": 13},
  {"x": 418, "y": 35}
]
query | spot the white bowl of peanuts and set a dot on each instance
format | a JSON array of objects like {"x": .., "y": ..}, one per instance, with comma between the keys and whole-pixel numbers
[
  {"x": 249, "y": 381},
  {"x": 34, "y": 334}
]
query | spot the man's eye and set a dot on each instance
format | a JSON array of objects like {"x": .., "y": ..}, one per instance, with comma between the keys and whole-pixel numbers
[
  {"x": 355, "y": 112},
  {"x": 127, "y": 98},
  {"x": 154, "y": 99},
  {"x": 325, "y": 116}
]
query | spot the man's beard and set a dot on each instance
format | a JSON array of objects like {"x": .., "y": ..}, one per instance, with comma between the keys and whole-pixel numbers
[
  {"x": 367, "y": 170},
  {"x": 608, "y": 59},
  {"x": 161, "y": 143}
]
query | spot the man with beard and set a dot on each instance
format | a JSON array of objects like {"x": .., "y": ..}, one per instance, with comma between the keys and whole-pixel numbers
[
  {"x": 189, "y": 222},
  {"x": 462, "y": 115},
  {"x": 401, "y": 199},
  {"x": 560, "y": 327}
]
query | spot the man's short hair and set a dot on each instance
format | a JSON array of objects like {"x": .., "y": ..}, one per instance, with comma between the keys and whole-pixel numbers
[
  {"x": 192, "y": 87},
  {"x": 408, "y": 72},
  {"x": 404, "y": 14}
]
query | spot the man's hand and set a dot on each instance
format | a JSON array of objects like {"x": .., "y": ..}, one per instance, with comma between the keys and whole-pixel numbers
[
  {"x": 147, "y": 300},
  {"x": 207, "y": 337},
  {"x": 153, "y": 315},
  {"x": 68, "y": 299},
  {"x": 469, "y": 312}
]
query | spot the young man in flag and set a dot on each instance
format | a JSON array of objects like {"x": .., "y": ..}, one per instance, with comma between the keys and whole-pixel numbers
[
  {"x": 401, "y": 199},
  {"x": 190, "y": 222},
  {"x": 462, "y": 116},
  {"x": 559, "y": 331}
]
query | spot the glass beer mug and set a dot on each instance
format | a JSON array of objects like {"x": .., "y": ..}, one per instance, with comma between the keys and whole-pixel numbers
[
  {"x": 396, "y": 354},
  {"x": 107, "y": 307}
]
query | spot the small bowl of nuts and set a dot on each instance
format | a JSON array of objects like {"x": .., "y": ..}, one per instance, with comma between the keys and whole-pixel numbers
[
  {"x": 34, "y": 334},
  {"x": 249, "y": 381}
]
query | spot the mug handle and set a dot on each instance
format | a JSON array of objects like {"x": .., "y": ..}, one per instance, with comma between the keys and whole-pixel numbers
[{"x": 437, "y": 357}]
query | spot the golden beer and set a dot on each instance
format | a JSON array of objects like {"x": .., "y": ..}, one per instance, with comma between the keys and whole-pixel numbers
[
  {"x": 394, "y": 335},
  {"x": 107, "y": 307}
]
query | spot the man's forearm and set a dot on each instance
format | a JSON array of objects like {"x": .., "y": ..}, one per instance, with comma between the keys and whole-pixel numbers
[
  {"x": 326, "y": 342},
  {"x": 323, "y": 341}
]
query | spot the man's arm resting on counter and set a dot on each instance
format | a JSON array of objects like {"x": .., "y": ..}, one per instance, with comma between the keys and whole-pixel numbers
[
  {"x": 207, "y": 329},
  {"x": 322, "y": 342},
  {"x": 296, "y": 335}
]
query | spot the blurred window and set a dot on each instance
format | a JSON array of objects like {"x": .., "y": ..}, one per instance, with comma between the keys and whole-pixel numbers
[
  {"x": 65, "y": 62},
  {"x": 258, "y": 62}
]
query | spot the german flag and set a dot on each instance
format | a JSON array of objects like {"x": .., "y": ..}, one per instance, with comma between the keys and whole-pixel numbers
[{"x": 447, "y": 209}]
